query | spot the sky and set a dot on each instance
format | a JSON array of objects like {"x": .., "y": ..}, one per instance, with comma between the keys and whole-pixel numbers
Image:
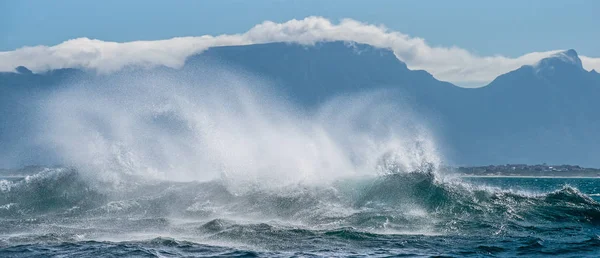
[
  {"x": 484, "y": 29},
  {"x": 509, "y": 27}
]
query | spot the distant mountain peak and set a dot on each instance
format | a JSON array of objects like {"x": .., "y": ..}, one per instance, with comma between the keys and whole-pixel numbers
[
  {"x": 556, "y": 69},
  {"x": 571, "y": 53},
  {"x": 567, "y": 58}
]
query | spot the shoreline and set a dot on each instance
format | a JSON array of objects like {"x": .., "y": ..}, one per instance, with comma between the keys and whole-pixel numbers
[{"x": 507, "y": 176}]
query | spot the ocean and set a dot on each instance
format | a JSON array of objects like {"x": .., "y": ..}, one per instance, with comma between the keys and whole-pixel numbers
[
  {"x": 216, "y": 167},
  {"x": 61, "y": 212}
]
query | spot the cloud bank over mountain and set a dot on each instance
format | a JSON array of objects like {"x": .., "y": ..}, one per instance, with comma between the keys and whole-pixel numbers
[{"x": 445, "y": 63}]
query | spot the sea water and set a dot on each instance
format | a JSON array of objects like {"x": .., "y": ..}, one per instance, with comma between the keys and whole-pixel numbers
[
  {"x": 57, "y": 212},
  {"x": 217, "y": 166}
]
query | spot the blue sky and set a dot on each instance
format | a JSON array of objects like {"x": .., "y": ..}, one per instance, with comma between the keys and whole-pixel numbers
[{"x": 509, "y": 28}]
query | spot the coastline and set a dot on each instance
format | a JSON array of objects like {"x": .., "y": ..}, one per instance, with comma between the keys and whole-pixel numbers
[{"x": 524, "y": 176}]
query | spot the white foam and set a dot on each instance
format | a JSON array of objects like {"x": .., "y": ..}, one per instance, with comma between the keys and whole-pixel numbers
[{"x": 227, "y": 126}]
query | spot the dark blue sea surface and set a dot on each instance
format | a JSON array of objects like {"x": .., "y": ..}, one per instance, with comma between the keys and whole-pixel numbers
[{"x": 58, "y": 212}]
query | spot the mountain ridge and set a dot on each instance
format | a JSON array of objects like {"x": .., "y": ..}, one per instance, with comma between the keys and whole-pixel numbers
[
  {"x": 524, "y": 116},
  {"x": 569, "y": 56}
]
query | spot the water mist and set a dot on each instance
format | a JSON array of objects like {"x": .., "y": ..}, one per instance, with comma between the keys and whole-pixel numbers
[{"x": 229, "y": 126}]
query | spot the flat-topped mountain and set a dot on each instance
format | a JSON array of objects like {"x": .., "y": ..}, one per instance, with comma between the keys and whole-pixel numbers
[{"x": 546, "y": 112}]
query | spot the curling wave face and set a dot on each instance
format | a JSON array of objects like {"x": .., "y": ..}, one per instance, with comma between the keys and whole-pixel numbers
[{"x": 55, "y": 205}]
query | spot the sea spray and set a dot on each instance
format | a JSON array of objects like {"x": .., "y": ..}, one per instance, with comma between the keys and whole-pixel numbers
[
  {"x": 160, "y": 165},
  {"x": 230, "y": 127}
]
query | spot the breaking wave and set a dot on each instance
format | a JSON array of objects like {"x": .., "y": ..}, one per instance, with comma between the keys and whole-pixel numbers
[
  {"x": 412, "y": 202},
  {"x": 228, "y": 163}
]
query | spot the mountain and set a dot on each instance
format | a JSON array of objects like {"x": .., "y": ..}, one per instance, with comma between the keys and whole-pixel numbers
[
  {"x": 544, "y": 112},
  {"x": 313, "y": 74},
  {"x": 540, "y": 113}
]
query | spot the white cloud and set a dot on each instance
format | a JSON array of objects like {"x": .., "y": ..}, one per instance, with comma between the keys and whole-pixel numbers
[
  {"x": 590, "y": 63},
  {"x": 445, "y": 63}
]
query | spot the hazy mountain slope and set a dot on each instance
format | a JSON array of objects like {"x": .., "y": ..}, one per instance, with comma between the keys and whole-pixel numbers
[
  {"x": 541, "y": 113},
  {"x": 315, "y": 73},
  {"x": 545, "y": 112}
]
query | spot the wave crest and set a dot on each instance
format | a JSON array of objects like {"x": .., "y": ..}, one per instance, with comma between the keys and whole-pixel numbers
[{"x": 397, "y": 202}]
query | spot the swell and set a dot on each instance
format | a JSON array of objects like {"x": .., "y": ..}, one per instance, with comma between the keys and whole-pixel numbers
[{"x": 47, "y": 190}]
